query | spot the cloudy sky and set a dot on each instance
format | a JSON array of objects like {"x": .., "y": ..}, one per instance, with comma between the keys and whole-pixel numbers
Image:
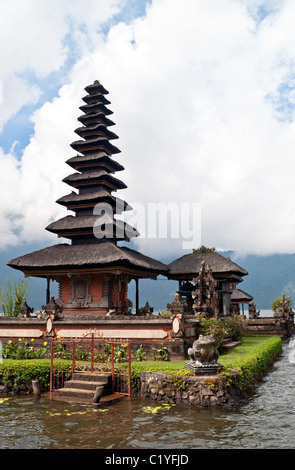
[{"x": 203, "y": 95}]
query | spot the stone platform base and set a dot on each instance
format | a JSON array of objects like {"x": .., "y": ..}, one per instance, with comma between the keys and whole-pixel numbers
[
  {"x": 210, "y": 369},
  {"x": 203, "y": 391},
  {"x": 273, "y": 326}
]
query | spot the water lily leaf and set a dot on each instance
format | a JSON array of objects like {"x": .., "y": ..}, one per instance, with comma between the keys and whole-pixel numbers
[
  {"x": 151, "y": 409},
  {"x": 4, "y": 401}
]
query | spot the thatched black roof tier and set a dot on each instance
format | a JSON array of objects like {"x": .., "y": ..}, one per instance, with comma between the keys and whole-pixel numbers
[
  {"x": 239, "y": 295},
  {"x": 70, "y": 258},
  {"x": 95, "y": 145},
  {"x": 94, "y": 177},
  {"x": 96, "y": 130},
  {"x": 96, "y": 98},
  {"x": 95, "y": 108},
  {"x": 96, "y": 159},
  {"x": 75, "y": 201},
  {"x": 71, "y": 226},
  {"x": 188, "y": 266},
  {"x": 90, "y": 119},
  {"x": 95, "y": 88}
]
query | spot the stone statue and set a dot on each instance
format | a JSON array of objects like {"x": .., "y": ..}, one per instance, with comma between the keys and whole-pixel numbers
[
  {"x": 25, "y": 310},
  {"x": 284, "y": 310},
  {"x": 53, "y": 308},
  {"x": 176, "y": 307},
  {"x": 146, "y": 310},
  {"x": 205, "y": 295},
  {"x": 284, "y": 316},
  {"x": 253, "y": 313},
  {"x": 203, "y": 356}
]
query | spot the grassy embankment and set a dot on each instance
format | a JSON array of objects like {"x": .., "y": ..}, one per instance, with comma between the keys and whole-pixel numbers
[{"x": 248, "y": 360}]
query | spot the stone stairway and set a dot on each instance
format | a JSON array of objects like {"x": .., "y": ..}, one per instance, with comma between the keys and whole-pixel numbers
[
  {"x": 83, "y": 385},
  {"x": 228, "y": 344}
]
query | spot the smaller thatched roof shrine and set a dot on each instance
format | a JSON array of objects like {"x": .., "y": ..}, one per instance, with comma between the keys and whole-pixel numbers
[
  {"x": 188, "y": 266},
  {"x": 240, "y": 297},
  {"x": 226, "y": 273}
]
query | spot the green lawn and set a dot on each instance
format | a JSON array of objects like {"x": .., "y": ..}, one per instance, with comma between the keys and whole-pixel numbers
[
  {"x": 250, "y": 345},
  {"x": 252, "y": 356}
]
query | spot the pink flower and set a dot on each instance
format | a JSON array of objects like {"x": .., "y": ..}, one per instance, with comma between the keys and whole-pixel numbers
[{"x": 35, "y": 348}]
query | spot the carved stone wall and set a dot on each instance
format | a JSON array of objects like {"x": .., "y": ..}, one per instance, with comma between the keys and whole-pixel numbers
[
  {"x": 80, "y": 297},
  {"x": 205, "y": 295}
]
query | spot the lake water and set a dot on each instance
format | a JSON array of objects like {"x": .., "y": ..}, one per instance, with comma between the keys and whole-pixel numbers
[{"x": 263, "y": 421}]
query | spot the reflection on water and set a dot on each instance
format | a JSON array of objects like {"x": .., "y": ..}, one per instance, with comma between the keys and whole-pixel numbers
[{"x": 266, "y": 420}]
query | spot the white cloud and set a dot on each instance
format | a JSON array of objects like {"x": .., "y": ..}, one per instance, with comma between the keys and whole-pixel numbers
[
  {"x": 195, "y": 89},
  {"x": 10, "y": 206},
  {"x": 36, "y": 39}
]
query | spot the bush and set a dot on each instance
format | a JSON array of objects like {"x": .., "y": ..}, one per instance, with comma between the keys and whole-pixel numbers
[
  {"x": 229, "y": 327},
  {"x": 253, "y": 359},
  {"x": 160, "y": 354},
  {"x": 18, "y": 372},
  {"x": 139, "y": 354},
  {"x": 235, "y": 327},
  {"x": 164, "y": 314},
  {"x": 12, "y": 296},
  {"x": 23, "y": 350},
  {"x": 213, "y": 326}
]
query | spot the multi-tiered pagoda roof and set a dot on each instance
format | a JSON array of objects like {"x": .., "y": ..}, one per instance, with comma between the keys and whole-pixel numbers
[
  {"x": 94, "y": 179},
  {"x": 93, "y": 229}
]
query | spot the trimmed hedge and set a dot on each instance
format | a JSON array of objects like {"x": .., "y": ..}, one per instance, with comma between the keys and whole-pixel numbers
[
  {"x": 18, "y": 372},
  {"x": 250, "y": 360}
]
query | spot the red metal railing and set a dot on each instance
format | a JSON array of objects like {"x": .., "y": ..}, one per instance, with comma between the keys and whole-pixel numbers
[{"x": 121, "y": 375}]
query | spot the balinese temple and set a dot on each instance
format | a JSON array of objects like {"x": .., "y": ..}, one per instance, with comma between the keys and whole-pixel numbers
[
  {"x": 92, "y": 270},
  {"x": 225, "y": 272},
  {"x": 94, "y": 267}
]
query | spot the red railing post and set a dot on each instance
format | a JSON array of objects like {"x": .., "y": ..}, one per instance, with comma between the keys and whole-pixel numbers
[
  {"x": 51, "y": 369},
  {"x": 129, "y": 370},
  {"x": 113, "y": 370},
  {"x": 92, "y": 351},
  {"x": 74, "y": 357}
]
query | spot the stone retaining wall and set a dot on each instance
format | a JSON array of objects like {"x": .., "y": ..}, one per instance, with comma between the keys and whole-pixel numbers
[
  {"x": 273, "y": 326},
  {"x": 204, "y": 391},
  {"x": 149, "y": 331}
]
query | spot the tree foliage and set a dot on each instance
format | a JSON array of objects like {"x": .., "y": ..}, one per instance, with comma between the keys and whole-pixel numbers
[
  {"x": 12, "y": 296},
  {"x": 276, "y": 303}
]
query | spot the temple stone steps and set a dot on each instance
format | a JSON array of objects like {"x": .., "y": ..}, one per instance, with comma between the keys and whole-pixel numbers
[
  {"x": 83, "y": 385},
  {"x": 229, "y": 344}
]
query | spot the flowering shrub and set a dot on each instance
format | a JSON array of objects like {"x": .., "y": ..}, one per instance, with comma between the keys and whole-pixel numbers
[
  {"x": 230, "y": 327},
  {"x": 120, "y": 353},
  {"x": 213, "y": 326},
  {"x": 235, "y": 325},
  {"x": 23, "y": 350}
]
